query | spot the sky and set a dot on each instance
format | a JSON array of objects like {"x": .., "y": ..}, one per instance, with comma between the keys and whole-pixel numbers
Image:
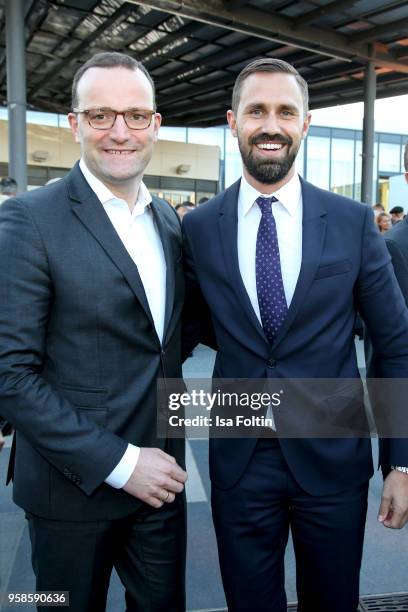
[{"x": 391, "y": 115}]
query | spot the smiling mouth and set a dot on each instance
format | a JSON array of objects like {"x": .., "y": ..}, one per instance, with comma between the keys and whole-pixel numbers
[
  {"x": 119, "y": 151},
  {"x": 270, "y": 146}
]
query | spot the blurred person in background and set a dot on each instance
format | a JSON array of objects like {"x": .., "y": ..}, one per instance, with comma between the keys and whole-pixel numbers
[
  {"x": 383, "y": 221},
  {"x": 378, "y": 208},
  {"x": 184, "y": 208},
  {"x": 8, "y": 188},
  {"x": 397, "y": 214}
]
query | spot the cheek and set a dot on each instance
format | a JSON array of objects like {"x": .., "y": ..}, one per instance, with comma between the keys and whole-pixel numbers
[{"x": 90, "y": 141}]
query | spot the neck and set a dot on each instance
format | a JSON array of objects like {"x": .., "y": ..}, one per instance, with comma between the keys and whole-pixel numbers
[
  {"x": 269, "y": 188},
  {"x": 128, "y": 192}
]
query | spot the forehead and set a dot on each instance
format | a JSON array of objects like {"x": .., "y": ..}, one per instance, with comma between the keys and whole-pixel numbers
[
  {"x": 271, "y": 88},
  {"x": 116, "y": 87}
]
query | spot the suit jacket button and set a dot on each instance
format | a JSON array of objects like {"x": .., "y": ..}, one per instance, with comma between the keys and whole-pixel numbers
[{"x": 271, "y": 363}]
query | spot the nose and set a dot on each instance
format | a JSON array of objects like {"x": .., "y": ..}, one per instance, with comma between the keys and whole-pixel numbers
[
  {"x": 119, "y": 131},
  {"x": 271, "y": 124}
]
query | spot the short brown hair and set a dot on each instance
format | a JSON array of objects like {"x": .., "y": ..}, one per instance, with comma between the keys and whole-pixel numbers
[
  {"x": 406, "y": 157},
  {"x": 109, "y": 60},
  {"x": 269, "y": 64}
]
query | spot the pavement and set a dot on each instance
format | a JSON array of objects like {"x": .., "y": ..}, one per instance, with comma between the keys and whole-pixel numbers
[{"x": 385, "y": 559}]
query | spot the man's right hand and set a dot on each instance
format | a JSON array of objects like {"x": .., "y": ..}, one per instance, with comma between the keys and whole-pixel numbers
[
  {"x": 2, "y": 441},
  {"x": 156, "y": 478}
]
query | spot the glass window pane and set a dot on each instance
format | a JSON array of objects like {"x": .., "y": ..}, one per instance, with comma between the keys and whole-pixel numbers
[
  {"x": 318, "y": 160},
  {"x": 177, "y": 134},
  {"x": 342, "y": 169},
  {"x": 389, "y": 160}
]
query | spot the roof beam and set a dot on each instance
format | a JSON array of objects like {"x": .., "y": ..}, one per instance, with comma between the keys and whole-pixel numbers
[
  {"x": 401, "y": 52},
  {"x": 353, "y": 85},
  {"x": 220, "y": 118},
  {"x": 206, "y": 63},
  {"x": 275, "y": 28},
  {"x": 199, "y": 89},
  {"x": 187, "y": 30},
  {"x": 382, "y": 30},
  {"x": 323, "y": 11},
  {"x": 122, "y": 11},
  {"x": 217, "y": 101}
]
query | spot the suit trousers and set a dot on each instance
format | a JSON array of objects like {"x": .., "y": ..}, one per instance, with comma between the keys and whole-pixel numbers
[
  {"x": 147, "y": 550},
  {"x": 252, "y": 522}
]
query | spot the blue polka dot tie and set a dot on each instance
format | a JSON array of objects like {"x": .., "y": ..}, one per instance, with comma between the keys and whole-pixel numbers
[{"x": 269, "y": 284}]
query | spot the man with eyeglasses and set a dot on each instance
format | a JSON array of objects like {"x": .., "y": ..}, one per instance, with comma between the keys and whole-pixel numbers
[{"x": 92, "y": 290}]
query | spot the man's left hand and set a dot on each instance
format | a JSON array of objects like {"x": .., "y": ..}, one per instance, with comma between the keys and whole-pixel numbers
[{"x": 393, "y": 511}]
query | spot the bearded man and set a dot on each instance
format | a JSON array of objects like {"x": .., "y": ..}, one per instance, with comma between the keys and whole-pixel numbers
[{"x": 276, "y": 271}]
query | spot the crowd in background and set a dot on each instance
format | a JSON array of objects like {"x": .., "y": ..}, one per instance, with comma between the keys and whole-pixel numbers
[{"x": 384, "y": 220}]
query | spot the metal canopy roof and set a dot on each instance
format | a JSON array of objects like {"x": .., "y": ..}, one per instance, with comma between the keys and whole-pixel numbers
[{"x": 194, "y": 49}]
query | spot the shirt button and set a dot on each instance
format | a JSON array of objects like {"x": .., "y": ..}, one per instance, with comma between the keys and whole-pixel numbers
[{"x": 271, "y": 363}]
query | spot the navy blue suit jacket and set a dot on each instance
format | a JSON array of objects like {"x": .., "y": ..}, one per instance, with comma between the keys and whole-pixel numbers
[{"x": 345, "y": 267}]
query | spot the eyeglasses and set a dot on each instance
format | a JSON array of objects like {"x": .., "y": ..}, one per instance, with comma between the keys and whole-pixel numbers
[{"x": 104, "y": 118}]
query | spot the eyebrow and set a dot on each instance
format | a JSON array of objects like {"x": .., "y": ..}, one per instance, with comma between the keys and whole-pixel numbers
[{"x": 263, "y": 106}]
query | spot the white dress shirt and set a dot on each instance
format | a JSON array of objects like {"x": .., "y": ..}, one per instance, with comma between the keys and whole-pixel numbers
[
  {"x": 288, "y": 217},
  {"x": 141, "y": 239}
]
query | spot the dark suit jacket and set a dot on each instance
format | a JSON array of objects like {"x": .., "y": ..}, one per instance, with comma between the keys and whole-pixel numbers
[
  {"x": 396, "y": 240},
  {"x": 79, "y": 354},
  {"x": 345, "y": 267}
]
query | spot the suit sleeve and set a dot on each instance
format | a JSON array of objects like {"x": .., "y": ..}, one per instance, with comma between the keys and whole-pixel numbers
[
  {"x": 383, "y": 308},
  {"x": 60, "y": 433},
  {"x": 400, "y": 266},
  {"x": 197, "y": 324}
]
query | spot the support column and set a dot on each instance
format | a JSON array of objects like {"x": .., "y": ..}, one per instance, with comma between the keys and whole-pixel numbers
[
  {"x": 368, "y": 134},
  {"x": 16, "y": 91}
]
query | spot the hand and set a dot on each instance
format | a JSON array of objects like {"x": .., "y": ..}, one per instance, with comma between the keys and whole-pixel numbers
[
  {"x": 2, "y": 441},
  {"x": 156, "y": 478},
  {"x": 393, "y": 511}
]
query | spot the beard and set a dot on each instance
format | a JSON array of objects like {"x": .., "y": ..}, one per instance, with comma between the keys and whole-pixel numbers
[{"x": 264, "y": 170}]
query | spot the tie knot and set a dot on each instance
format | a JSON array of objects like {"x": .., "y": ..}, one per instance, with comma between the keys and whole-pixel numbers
[{"x": 265, "y": 204}]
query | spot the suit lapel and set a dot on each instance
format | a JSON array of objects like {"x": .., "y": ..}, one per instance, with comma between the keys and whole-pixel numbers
[
  {"x": 228, "y": 226},
  {"x": 313, "y": 233},
  {"x": 163, "y": 230},
  {"x": 90, "y": 211}
]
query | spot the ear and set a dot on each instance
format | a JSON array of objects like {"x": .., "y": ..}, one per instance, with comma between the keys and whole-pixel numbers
[
  {"x": 73, "y": 122},
  {"x": 232, "y": 123},
  {"x": 306, "y": 125},
  {"x": 157, "y": 120}
]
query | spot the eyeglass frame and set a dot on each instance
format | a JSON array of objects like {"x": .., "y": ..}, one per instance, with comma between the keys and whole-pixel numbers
[{"x": 101, "y": 108}]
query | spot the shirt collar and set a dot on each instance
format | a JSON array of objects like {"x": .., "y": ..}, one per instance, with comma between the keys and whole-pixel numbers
[
  {"x": 289, "y": 195},
  {"x": 104, "y": 194}
]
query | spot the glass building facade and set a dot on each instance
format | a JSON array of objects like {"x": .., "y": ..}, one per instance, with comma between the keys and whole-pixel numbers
[{"x": 329, "y": 157}]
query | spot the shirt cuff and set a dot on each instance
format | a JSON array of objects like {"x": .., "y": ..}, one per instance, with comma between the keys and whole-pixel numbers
[{"x": 123, "y": 471}]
